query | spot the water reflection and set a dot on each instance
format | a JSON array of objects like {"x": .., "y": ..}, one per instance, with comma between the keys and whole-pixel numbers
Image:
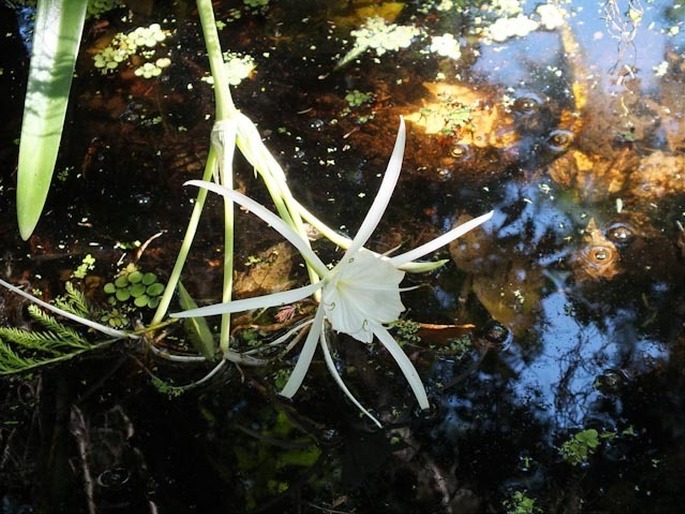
[{"x": 565, "y": 312}]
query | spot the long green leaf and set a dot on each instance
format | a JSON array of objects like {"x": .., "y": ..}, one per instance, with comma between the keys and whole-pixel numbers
[
  {"x": 56, "y": 40},
  {"x": 197, "y": 328}
]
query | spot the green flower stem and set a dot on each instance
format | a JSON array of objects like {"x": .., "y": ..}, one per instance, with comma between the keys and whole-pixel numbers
[
  {"x": 225, "y": 150},
  {"x": 224, "y": 109},
  {"x": 224, "y": 102},
  {"x": 191, "y": 230}
]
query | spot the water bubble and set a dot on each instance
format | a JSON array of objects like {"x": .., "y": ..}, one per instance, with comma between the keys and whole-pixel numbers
[
  {"x": 620, "y": 233},
  {"x": 142, "y": 200},
  {"x": 527, "y": 104},
  {"x": 316, "y": 124},
  {"x": 600, "y": 253},
  {"x": 599, "y": 260},
  {"x": 461, "y": 152},
  {"x": 559, "y": 140},
  {"x": 498, "y": 335},
  {"x": 114, "y": 478},
  {"x": 330, "y": 437},
  {"x": 611, "y": 381},
  {"x": 444, "y": 174}
]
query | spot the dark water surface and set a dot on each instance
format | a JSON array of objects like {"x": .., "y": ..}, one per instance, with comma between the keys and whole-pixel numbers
[{"x": 561, "y": 319}]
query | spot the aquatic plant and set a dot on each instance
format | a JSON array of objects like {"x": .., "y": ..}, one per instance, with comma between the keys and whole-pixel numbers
[
  {"x": 359, "y": 296},
  {"x": 580, "y": 447},
  {"x": 379, "y": 35},
  {"x": 98, "y": 7},
  {"x": 520, "y": 503},
  {"x": 447, "y": 46},
  {"x": 143, "y": 41},
  {"x": 24, "y": 349},
  {"x": 238, "y": 67},
  {"x": 132, "y": 285},
  {"x": 57, "y": 36}
]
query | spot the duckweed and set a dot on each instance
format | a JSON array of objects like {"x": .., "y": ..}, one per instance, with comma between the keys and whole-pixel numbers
[
  {"x": 238, "y": 67},
  {"x": 446, "y": 45},
  {"x": 379, "y": 35},
  {"x": 98, "y": 7},
  {"x": 142, "y": 41}
]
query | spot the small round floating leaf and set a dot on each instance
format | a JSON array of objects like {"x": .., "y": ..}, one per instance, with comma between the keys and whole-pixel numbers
[
  {"x": 123, "y": 294},
  {"x": 141, "y": 301},
  {"x": 110, "y": 288},
  {"x": 137, "y": 290},
  {"x": 155, "y": 289},
  {"x": 149, "y": 278},
  {"x": 121, "y": 282},
  {"x": 153, "y": 303},
  {"x": 135, "y": 276}
]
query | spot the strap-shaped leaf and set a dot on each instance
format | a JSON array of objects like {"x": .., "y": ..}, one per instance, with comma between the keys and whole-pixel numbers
[{"x": 56, "y": 40}]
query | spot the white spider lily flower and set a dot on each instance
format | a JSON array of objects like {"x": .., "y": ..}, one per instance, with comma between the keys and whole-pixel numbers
[{"x": 359, "y": 295}]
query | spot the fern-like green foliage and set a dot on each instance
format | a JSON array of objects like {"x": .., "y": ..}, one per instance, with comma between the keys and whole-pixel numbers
[
  {"x": 74, "y": 301},
  {"x": 24, "y": 349}
]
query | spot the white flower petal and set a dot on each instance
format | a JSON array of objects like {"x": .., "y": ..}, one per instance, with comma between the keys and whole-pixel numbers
[
  {"x": 306, "y": 355},
  {"x": 336, "y": 376},
  {"x": 362, "y": 292},
  {"x": 380, "y": 203},
  {"x": 246, "y": 304},
  {"x": 422, "y": 267},
  {"x": 438, "y": 242},
  {"x": 405, "y": 365},
  {"x": 270, "y": 218}
]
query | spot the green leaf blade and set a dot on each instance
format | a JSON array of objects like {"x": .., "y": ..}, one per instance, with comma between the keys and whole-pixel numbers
[{"x": 57, "y": 37}]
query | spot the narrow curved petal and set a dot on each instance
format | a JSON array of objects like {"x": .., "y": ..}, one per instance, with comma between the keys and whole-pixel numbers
[
  {"x": 270, "y": 218},
  {"x": 422, "y": 267},
  {"x": 257, "y": 302},
  {"x": 380, "y": 203},
  {"x": 405, "y": 365},
  {"x": 336, "y": 376},
  {"x": 306, "y": 355},
  {"x": 441, "y": 241}
]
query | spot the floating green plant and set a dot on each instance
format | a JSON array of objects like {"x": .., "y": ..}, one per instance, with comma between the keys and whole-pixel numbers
[
  {"x": 579, "y": 448},
  {"x": 358, "y": 100},
  {"x": 355, "y": 98},
  {"x": 87, "y": 264},
  {"x": 379, "y": 35},
  {"x": 143, "y": 290},
  {"x": 237, "y": 67},
  {"x": 520, "y": 503},
  {"x": 142, "y": 41},
  {"x": 256, "y": 5},
  {"x": 96, "y": 8},
  {"x": 406, "y": 331}
]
